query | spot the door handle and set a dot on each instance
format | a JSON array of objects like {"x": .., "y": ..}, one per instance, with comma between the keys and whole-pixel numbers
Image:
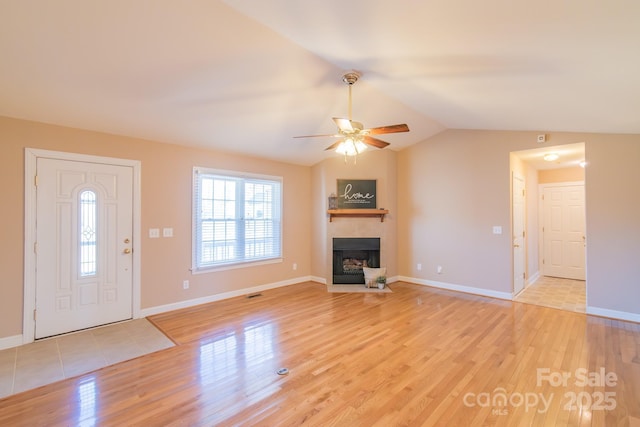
[
  {"x": 127, "y": 251},
  {"x": 516, "y": 246}
]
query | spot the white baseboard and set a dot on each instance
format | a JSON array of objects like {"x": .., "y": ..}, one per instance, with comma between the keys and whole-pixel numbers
[
  {"x": 531, "y": 280},
  {"x": 614, "y": 314},
  {"x": 458, "y": 288},
  {"x": 217, "y": 297},
  {"x": 319, "y": 279},
  {"x": 9, "y": 342}
]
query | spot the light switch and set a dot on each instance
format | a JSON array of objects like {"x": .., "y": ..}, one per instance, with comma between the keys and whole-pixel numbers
[
  {"x": 167, "y": 232},
  {"x": 497, "y": 229},
  {"x": 154, "y": 233}
]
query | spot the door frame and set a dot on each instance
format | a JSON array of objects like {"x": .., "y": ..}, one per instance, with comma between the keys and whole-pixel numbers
[
  {"x": 31, "y": 158},
  {"x": 541, "y": 188},
  {"x": 525, "y": 242}
]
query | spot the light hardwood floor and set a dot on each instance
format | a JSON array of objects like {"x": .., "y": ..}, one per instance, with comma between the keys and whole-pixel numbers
[{"x": 417, "y": 356}]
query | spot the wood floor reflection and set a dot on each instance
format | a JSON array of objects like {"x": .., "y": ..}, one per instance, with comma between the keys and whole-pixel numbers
[{"x": 417, "y": 356}]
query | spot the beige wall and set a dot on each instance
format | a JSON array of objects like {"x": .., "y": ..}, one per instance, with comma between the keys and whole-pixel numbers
[
  {"x": 533, "y": 228},
  {"x": 454, "y": 187},
  {"x": 548, "y": 176},
  {"x": 444, "y": 196},
  {"x": 613, "y": 222},
  {"x": 166, "y": 202}
]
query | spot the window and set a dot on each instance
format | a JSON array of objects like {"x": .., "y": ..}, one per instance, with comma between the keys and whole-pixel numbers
[
  {"x": 237, "y": 219},
  {"x": 87, "y": 232}
]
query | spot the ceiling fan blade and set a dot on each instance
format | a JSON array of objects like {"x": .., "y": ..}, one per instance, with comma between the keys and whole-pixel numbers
[
  {"x": 334, "y": 145},
  {"x": 344, "y": 124},
  {"x": 378, "y": 143},
  {"x": 389, "y": 129},
  {"x": 316, "y": 136}
]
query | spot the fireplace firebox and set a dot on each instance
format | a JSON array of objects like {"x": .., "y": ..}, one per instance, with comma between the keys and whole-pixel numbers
[{"x": 350, "y": 255}]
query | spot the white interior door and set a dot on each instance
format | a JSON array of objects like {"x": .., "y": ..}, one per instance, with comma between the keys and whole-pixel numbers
[
  {"x": 564, "y": 231},
  {"x": 84, "y": 226},
  {"x": 518, "y": 207}
]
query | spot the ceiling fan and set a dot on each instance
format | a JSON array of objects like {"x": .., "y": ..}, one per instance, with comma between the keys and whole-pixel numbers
[{"x": 354, "y": 138}]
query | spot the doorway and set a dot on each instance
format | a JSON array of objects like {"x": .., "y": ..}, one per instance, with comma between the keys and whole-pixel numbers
[
  {"x": 561, "y": 250},
  {"x": 82, "y": 223}
]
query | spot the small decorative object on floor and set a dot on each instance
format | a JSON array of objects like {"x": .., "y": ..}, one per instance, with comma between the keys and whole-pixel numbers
[
  {"x": 371, "y": 276},
  {"x": 381, "y": 281}
]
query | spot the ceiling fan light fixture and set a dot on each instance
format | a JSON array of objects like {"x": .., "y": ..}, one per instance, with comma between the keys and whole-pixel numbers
[
  {"x": 351, "y": 147},
  {"x": 355, "y": 138}
]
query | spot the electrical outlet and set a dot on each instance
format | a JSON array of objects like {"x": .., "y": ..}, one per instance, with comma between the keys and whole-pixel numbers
[
  {"x": 185, "y": 284},
  {"x": 154, "y": 233},
  {"x": 295, "y": 266},
  {"x": 419, "y": 267},
  {"x": 439, "y": 269},
  {"x": 167, "y": 232}
]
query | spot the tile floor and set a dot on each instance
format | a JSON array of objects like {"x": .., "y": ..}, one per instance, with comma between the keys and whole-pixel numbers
[
  {"x": 554, "y": 292},
  {"x": 53, "y": 359}
]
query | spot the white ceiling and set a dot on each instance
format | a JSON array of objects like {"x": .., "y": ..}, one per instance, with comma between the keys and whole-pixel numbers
[
  {"x": 569, "y": 155},
  {"x": 247, "y": 76}
]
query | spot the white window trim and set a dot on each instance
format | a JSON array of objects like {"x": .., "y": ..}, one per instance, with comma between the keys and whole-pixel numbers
[{"x": 194, "y": 238}]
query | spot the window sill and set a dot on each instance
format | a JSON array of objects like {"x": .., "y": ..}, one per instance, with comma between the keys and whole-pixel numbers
[{"x": 234, "y": 266}]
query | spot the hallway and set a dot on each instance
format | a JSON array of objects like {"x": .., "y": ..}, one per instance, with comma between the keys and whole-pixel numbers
[{"x": 555, "y": 292}]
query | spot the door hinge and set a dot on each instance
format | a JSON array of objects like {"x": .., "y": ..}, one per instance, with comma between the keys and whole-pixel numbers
[
  {"x": 35, "y": 180},
  {"x": 523, "y": 276},
  {"x": 522, "y": 233},
  {"x": 523, "y": 192},
  {"x": 34, "y": 314},
  {"x": 35, "y": 248}
]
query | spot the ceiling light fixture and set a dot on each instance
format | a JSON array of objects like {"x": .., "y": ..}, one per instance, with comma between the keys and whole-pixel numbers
[
  {"x": 551, "y": 157},
  {"x": 354, "y": 138},
  {"x": 583, "y": 164},
  {"x": 351, "y": 147}
]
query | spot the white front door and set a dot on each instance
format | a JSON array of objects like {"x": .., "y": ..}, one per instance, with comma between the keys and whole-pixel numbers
[
  {"x": 518, "y": 203},
  {"x": 84, "y": 241},
  {"x": 564, "y": 231}
]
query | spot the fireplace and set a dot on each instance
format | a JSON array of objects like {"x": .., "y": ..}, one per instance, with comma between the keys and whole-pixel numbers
[{"x": 350, "y": 255}]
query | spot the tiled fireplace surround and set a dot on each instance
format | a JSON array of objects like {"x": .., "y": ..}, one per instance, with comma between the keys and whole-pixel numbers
[{"x": 357, "y": 227}]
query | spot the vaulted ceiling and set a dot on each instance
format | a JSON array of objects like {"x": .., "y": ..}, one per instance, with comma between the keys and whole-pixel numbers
[{"x": 246, "y": 76}]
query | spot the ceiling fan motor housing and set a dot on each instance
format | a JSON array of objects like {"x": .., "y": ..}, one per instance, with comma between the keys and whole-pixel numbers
[{"x": 350, "y": 78}]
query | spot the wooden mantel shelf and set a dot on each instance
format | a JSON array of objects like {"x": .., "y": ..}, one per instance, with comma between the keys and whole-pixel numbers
[{"x": 333, "y": 213}]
